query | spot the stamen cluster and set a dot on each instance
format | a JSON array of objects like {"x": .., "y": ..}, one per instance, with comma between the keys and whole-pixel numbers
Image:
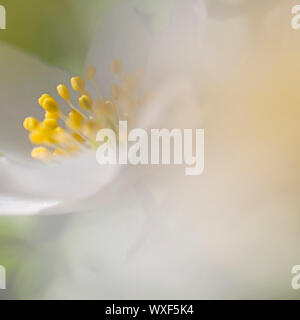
[{"x": 60, "y": 134}]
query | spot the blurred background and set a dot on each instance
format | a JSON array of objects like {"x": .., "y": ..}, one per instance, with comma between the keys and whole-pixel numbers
[{"x": 232, "y": 232}]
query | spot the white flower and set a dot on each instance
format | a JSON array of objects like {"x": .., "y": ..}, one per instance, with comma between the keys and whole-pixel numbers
[
  {"x": 229, "y": 233},
  {"x": 79, "y": 183}
]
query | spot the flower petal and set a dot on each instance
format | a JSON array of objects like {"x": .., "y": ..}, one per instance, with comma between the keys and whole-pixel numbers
[
  {"x": 177, "y": 49},
  {"x": 43, "y": 187},
  {"x": 124, "y": 34},
  {"x": 11, "y": 205}
]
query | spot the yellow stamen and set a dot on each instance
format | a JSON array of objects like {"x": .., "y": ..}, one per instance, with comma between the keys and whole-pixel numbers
[
  {"x": 41, "y": 135},
  {"x": 85, "y": 102},
  {"x": 66, "y": 140},
  {"x": 43, "y": 98},
  {"x": 78, "y": 137},
  {"x": 76, "y": 116},
  {"x": 61, "y": 136},
  {"x": 50, "y": 105},
  {"x": 53, "y": 116},
  {"x": 31, "y": 124},
  {"x": 90, "y": 128},
  {"x": 105, "y": 107},
  {"x": 63, "y": 92},
  {"x": 78, "y": 84},
  {"x": 74, "y": 120},
  {"x": 50, "y": 123},
  {"x": 41, "y": 153},
  {"x": 36, "y": 138},
  {"x": 59, "y": 153},
  {"x": 80, "y": 127},
  {"x": 73, "y": 108}
]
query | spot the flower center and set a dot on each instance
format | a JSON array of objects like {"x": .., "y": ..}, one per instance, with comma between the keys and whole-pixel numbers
[{"x": 62, "y": 134}]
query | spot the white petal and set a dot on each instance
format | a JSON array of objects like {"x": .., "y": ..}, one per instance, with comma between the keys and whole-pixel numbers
[
  {"x": 44, "y": 187},
  {"x": 128, "y": 34},
  {"x": 124, "y": 34},
  {"x": 177, "y": 49},
  {"x": 23, "y": 79},
  {"x": 167, "y": 56},
  {"x": 12, "y": 205},
  {"x": 173, "y": 104}
]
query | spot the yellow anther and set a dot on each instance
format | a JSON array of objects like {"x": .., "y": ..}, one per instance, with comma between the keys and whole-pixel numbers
[
  {"x": 74, "y": 120},
  {"x": 59, "y": 130},
  {"x": 63, "y": 92},
  {"x": 61, "y": 136},
  {"x": 59, "y": 153},
  {"x": 43, "y": 98},
  {"x": 85, "y": 102},
  {"x": 105, "y": 107},
  {"x": 73, "y": 125},
  {"x": 90, "y": 128},
  {"x": 50, "y": 105},
  {"x": 58, "y": 134},
  {"x": 73, "y": 148},
  {"x": 50, "y": 124},
  {"x": 31, "y": 124},
  {"x": 53, "y": 116},
  {"x": 78, "y": 84},
  {"x": 115, "y": 91},
  {"x": 41, "y": 135},
  {"x": 78, "y": 137},
  {"x": 90, "y": 73},
  {"x": 36, "y": 137},
  {"x": 75, "y": 115},
  {"x": 41, "y": 153},
  {"x": 116, "y": 66}
]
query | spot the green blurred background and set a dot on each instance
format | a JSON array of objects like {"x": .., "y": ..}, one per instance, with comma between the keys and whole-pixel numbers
[{"x": 59, "y": 31}]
